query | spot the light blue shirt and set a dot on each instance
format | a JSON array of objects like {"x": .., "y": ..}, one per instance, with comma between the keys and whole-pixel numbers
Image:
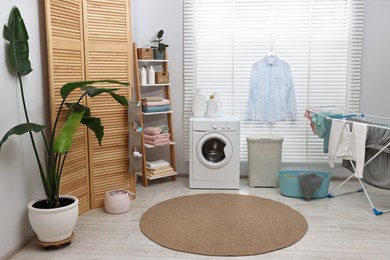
[{"x": 272, "y": 94}]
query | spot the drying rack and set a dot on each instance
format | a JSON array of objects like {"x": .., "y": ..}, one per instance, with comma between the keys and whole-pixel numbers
[{"x": 341, "y": 113}]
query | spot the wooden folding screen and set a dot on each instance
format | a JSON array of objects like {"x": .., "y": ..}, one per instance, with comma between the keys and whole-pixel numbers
[{"x": 89, "y": 40}]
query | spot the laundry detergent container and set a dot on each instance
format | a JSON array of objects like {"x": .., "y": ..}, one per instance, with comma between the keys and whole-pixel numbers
[{"x": 290, "y": 187}]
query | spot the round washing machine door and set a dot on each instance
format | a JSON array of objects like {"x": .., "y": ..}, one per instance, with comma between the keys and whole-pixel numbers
[{"x": 214, "y": 150}]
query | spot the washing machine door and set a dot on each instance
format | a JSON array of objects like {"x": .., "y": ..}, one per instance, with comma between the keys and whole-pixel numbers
[{"x": 214, "y": 150}]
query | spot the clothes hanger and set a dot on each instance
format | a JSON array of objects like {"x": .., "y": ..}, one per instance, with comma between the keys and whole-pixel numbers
[{"x": 270, "y": 54}]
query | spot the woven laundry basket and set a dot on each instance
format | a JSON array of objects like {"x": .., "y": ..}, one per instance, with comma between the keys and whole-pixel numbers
[{"x": 264, "y": 159}]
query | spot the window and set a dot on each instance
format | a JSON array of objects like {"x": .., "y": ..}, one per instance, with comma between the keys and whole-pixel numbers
[{"x": 321, "y": 40}]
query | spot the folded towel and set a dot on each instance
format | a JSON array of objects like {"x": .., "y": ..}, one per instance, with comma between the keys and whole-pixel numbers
[
  {"x": 156, "y": 137},
  {"x": 158, "y": 168},
  {"x": 164, "y": 128},
  {"x": 156, "y": 164},
  {"x": 156, "y": 103},
  {"x": 155, "y": 99},
  {"x": 152, "y": 130},
  {"x": 157, "y": 142},
  {"x": 156, "y": 109},
  {"x": 309, "y": 183},
  {"x": 167, "y": 170}
]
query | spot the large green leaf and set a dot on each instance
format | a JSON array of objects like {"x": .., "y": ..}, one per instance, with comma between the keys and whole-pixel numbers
[
  {"x": 17, "y": 36},
  {"x": 94, "y": 123},
  {"x": 78, "y": 106},
  {"x": 120, "y": 99},
  {"x": 94, "y": 91},
  {"x": 65, "y": 138},
  {"x": 69, "y": 87},
  {"x": 22, "y": 129}
]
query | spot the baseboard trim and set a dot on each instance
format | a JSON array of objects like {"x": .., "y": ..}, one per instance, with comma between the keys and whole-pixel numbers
[{"x": 11, "y": 253}]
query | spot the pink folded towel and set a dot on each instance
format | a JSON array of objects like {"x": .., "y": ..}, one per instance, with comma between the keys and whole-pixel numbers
[
  {"x": 157, "y": 142},
  {"x": 152, "y": 130},
  {"x": 163, "y": 102},
  {"x": 157, "y": 137}
]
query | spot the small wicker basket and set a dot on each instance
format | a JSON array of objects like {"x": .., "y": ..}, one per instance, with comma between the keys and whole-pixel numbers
[
  {"x": 145, "y": 53},
  {"x": 162, "y": 77}
]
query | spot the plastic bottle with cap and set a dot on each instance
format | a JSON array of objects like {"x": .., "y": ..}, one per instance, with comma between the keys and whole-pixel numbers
[
  {"x": 151, "y": 75},
  {"x": 212, "y": 107},
  {"x": 199, "y": 104},
  {"x": 143, "y": 76}
]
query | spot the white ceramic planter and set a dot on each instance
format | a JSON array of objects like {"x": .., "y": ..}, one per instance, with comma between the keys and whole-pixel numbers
[{"x": 53, "y": 225}]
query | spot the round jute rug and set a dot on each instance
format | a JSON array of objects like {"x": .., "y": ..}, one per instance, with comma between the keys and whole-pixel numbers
[{"x": 221, "y": 224}]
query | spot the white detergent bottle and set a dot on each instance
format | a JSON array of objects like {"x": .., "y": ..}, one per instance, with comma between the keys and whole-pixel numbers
[
  {"x": 143, "y": 76},
  {"x": 212, "y": 107},
  {"x": 151, "y": 75},
  {"x": 219, "y": 103},
  {"x": 199, "y": 104}
]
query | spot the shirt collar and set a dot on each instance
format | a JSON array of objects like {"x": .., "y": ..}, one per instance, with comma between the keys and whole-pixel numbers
[{"x": 271, "y": 60}]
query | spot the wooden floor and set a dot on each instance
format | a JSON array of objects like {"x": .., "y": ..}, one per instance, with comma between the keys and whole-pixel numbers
[{"x": 343, "y": 227}]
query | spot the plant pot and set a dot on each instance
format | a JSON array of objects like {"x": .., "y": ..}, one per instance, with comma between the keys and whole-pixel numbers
[
  {"x": 56, "y": 224},
  {"x": 158, "y": 55}
]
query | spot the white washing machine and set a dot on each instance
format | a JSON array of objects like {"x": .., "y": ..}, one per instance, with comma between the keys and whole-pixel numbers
[{"x": 214, "y": 153}]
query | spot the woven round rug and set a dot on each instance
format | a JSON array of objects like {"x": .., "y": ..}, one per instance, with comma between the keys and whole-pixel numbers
[{"x": 221, "y": 224}]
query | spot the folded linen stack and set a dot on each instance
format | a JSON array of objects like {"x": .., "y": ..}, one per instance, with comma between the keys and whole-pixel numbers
[
  {"x": 158, "y": 168},
  {"x": 155, "y": 135},
  {"x": 155, "y": 104}
]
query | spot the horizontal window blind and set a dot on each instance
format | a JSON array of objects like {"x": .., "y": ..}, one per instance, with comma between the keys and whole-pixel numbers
[{"x": 321, "y": 40}]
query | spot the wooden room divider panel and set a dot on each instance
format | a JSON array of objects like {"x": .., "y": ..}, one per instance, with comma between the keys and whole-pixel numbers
[{"x": 89, "y": 40}]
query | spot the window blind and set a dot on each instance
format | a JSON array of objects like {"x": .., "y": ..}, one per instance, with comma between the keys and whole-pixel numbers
[{"x": 321, "y": 40}]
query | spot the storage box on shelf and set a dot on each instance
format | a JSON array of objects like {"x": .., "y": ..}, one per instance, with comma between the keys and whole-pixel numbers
[
  {"x": 151, "y": 142},
  {"x": 162, "y": 77},
  {"x": 145, "y": 53}
]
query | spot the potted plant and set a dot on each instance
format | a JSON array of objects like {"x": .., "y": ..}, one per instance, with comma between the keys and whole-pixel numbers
[
  {"x": 56, "y": 146},
  {"x": 159, "y": 48}
]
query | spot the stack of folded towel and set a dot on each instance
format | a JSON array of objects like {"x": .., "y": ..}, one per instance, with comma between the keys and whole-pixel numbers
[
  {"x": 155, "y": 104},
  {"x": 157, "y": 135},
  {"x": 158, "y": 168}
]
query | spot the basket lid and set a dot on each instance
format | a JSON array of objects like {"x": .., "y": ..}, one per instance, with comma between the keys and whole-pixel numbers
[{"x": 264, "y": 137}]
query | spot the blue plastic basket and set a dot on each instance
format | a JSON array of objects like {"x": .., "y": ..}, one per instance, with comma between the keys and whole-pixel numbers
[{"x": 289, "y": 183}]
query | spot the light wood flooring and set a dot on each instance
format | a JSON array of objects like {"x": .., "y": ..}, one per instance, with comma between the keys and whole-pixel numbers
[{"x": 343, "y": 227}]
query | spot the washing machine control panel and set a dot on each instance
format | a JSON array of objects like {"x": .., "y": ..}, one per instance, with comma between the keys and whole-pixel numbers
[
  {"x": 214, "y": 125},
  {"x": 223, "y": 126}
]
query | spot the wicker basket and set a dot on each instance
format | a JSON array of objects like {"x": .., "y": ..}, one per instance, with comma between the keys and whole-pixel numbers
[
  {"x": 145, "y": 53},
  {"x": 162, "y": 77}
]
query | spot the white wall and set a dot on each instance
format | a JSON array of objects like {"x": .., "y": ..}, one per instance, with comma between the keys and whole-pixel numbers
[
  {"x": 375, "y": 91},
  {"x": 148, "y": 17},
  {"x": 19, "y": 176}
]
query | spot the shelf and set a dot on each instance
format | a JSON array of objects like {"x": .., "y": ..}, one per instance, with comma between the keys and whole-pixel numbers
[
  {"x": 155, "y": 85},
  {"x": 153, "y": 146},
  {"x": 148, "y": 117},
  {"x": 157, "y": 113},
  {"x": 154, "y": 61}
]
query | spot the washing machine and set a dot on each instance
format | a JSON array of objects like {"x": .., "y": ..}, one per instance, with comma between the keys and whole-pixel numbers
[{"x": 214, "y": 153}]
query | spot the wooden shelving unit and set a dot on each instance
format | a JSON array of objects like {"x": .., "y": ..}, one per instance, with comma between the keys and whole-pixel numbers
[{"x": 166, "y": 115}]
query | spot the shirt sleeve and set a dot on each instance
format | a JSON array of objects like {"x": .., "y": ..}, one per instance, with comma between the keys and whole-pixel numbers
[
  {"x": 252, "y": 94},
  {"x": 291, "y": 99}
]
